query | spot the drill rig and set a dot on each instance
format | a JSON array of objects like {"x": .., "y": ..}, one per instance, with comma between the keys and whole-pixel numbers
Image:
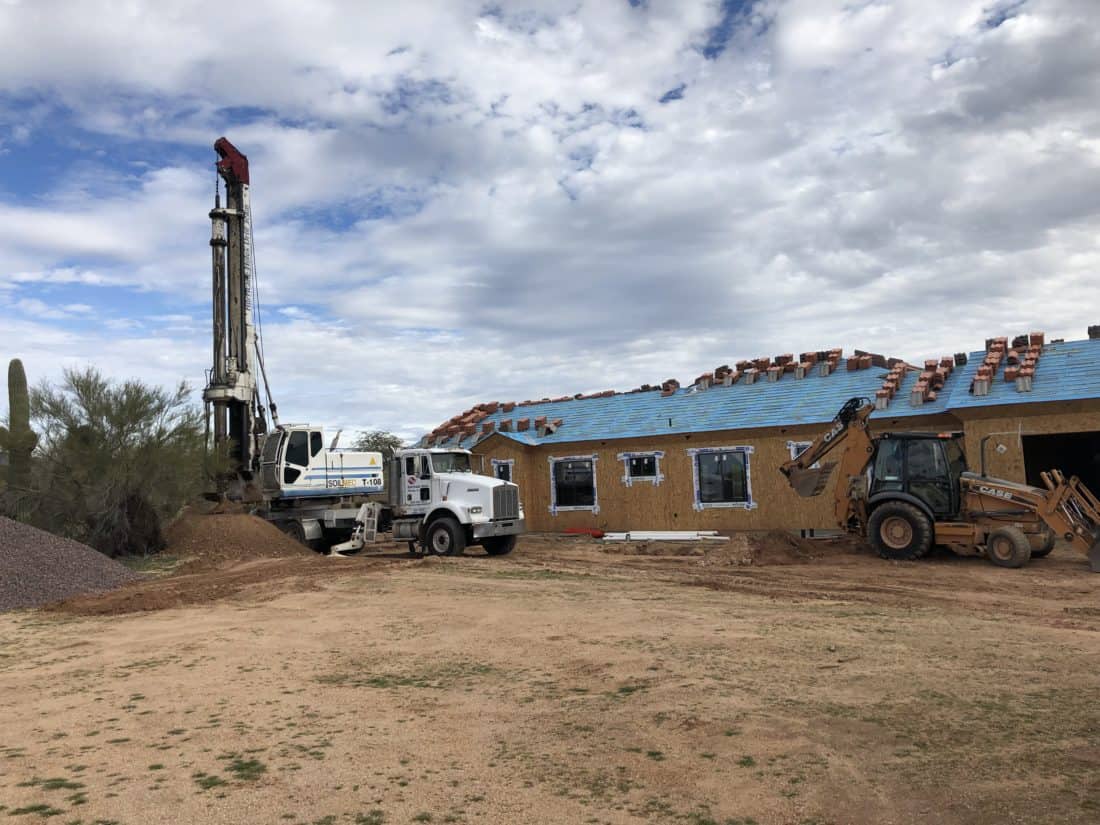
[
  {"x": 906, "y": 492},
  {"x": 298, "y": 478},
  {"x": 239, "y": 419}
]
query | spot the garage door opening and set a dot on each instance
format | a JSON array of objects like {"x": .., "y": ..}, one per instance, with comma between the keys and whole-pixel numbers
[{"x": 1075, "y": 454}]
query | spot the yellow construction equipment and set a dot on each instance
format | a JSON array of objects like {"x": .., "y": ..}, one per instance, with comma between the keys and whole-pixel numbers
[{"x": 908, "y": 491}]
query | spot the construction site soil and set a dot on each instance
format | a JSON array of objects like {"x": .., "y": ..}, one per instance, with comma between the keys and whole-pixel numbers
[{"x": 767, "y": 679}]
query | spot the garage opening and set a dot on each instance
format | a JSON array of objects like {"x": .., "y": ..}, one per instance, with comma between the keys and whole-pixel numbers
[{"x": 1075, "y": 454}]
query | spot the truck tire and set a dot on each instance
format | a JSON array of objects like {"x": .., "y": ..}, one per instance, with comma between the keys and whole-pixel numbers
[
  {"x": 499, "y": 545},
  {"x": 899, "y": 531},
  {"x": 1042, "y": 544},
  {"x": 296, "y": 531},
  {"x": 1008, "y": 547},
  {"x": 445, "y": 537}
]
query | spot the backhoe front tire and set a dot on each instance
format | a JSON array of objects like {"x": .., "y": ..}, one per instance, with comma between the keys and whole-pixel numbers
[
  {"x": 445, "y": 537},
  {"x": 899, "y": 531},
  {"x": 1008, "y": 547},
  {"x": 499, "y": 545}
]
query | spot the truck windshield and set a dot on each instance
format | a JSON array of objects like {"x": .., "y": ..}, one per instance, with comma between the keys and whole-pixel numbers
[{"x": 451, "y": 462}]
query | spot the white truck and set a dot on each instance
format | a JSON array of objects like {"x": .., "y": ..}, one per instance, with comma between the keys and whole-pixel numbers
[{"x": 430, "y": 498}]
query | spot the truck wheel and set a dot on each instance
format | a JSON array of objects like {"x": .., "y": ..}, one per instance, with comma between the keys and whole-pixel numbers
[
  {"x": 296, "y": 531},
  {"x": 899, "y": 531},
  {"x": 499, "y": 545},
  {"x": 1042, "y": 544},
  {"x": 445, "y": 537},
  {"x": 1008, "y": 547}
]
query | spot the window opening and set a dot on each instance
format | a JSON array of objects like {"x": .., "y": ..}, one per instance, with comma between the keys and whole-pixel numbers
[
  {"x": 721, "y": 477},
  {"x": 797, "y": 448},
  {"x": 573, "y": 483},
  {"x": 502, "y": 468},
  {"x": 642, "y": 466}
]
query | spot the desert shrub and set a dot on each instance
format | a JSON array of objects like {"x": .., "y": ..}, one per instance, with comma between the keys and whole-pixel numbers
[{"x": 114, "y": 460}]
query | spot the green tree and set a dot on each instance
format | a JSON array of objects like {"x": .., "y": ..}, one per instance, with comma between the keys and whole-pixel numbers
[
  {"x": 379, "y": 441},
  {"x": 116, "y": 459}
]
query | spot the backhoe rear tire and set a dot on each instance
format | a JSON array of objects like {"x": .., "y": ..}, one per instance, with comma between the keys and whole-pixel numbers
[
  {"x": 499, "y": 545},
  {"x": 899, "y": 531},
  {"x": 1042, "y": 544},
  {"x": 1008, "y": 547}
]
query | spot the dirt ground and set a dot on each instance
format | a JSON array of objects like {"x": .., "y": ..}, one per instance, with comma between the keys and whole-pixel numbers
[{"x": 763, "y": 680}]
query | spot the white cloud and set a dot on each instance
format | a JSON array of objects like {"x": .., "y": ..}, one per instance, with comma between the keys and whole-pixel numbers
[{"x": 500, "y": 201}]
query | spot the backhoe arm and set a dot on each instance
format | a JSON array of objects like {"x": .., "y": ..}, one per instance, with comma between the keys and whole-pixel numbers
[{"x": 850, "y": 430}]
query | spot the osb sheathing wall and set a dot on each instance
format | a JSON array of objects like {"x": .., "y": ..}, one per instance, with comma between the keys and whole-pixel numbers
[
  {"x": 670, "y": 505},
  {"x": 1007, "y": 424}
]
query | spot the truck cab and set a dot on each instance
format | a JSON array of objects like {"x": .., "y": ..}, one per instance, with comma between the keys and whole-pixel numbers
[
  {"x": 296, "y": 463},
  {"x": 439, "y": 500}
]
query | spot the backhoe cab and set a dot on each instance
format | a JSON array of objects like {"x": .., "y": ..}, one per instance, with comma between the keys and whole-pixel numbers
[{"x": 906, "y": 492}]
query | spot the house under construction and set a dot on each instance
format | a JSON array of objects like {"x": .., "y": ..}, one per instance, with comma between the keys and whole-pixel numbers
[{"x": 705, "y": 455}]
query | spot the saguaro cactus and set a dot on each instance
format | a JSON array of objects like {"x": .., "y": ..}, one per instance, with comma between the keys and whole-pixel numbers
[{"x": 18, "y": 439}]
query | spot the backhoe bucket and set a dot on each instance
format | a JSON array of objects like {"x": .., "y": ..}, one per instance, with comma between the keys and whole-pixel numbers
[{"x": 811, "y": 481}]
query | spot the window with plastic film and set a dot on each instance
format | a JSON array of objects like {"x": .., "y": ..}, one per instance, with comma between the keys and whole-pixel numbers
[
  {"x": 722, "y": 478},
  {"x": 573, "y": 483}
]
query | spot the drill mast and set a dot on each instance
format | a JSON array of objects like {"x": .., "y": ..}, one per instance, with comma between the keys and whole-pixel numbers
[{"x": 239, "y": 420}]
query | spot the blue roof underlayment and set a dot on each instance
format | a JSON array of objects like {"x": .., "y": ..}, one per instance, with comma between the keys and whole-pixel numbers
[
  {"x": 1069, "y": 371},
  {"x": 1066, "y": 371}
]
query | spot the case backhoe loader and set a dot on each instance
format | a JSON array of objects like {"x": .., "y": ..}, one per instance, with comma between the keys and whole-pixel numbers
[{"x": 906, "y": 492}]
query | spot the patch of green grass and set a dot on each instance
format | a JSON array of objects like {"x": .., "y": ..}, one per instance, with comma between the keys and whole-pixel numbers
[
  {"x": 156, "y": 766},
  {"x": 372, "y": 817},
  {"x": 206, "y": 781},
  {"x": 56, "y": 783},
  {"x": 433, "y": 676},
  {"x": 746, "y": 761},
  {"x": 41, "y": 808},
  {"x": 656, "y": 756},
  {"x": 247, "y": 770},
  {"x": 629, "y": 689}
]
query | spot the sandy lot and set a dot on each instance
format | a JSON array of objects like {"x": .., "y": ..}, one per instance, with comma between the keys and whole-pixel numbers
[{"x": 563, "y": 684}]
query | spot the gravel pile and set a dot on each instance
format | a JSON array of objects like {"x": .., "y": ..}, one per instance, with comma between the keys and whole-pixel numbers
[{"x": 37, "y": 568}]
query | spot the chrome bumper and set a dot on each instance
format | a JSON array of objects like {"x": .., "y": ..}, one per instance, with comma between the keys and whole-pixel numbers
[{"x": 510, "y": 527}]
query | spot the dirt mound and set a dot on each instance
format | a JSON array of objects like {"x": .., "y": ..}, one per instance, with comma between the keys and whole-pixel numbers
[
  {"x": 215, "y": 540},
  {"x": 37, "y": 568}
]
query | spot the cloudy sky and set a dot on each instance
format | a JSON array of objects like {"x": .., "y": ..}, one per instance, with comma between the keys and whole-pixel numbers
[{"x": 458, "y": 201}]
